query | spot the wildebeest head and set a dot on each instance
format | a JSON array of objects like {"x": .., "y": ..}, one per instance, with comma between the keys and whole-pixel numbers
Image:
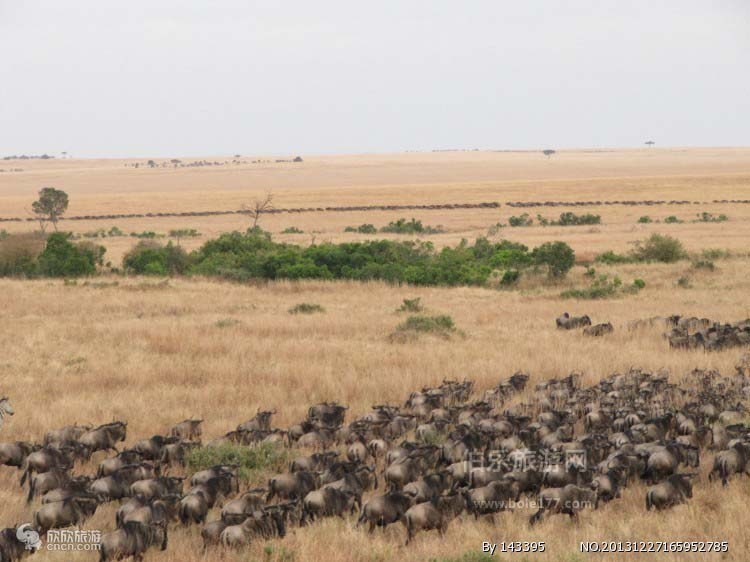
[{"x": 5, "y": 407}]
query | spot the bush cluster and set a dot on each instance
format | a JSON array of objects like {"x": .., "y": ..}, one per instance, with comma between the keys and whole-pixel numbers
[
  {"x": 149, "y": 257},
  {"x": 603, "y": 287},
  {"x": 31, "y": 255},
  {"x": 656, "y": 247},
  {"x": 413, "y": 226},
  {"x": 254, "y": 255}
]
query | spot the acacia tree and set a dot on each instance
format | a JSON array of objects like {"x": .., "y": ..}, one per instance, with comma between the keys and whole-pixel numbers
[
  {"x": 549, "y": 152},
  {"x": 258, "y": 207},
  {"x": 50, "y": 206}
]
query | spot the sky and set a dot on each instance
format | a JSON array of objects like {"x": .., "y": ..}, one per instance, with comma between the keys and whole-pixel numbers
[{"x": 198, "y": 77}]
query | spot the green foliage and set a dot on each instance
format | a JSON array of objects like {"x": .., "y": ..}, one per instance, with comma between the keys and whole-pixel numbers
[
  {"x": 708, "y": 217},
  {"x": 495, "y": 228},
  {"x": 292, "y": 230},
  {"x": 306, "y": 308},
  {"x": 715, "y": 254},
  {"x": 603, "y": 287},
  {"x": 3, "y": 234},
  {"x": 558, "y": 257},
  {"x": 611, "y": 258},
  {"x": 413, "y": 226},
  {"x": 657, "y": 247},
  {"x": 411, "y": 305},
  {"x": 51, "y": 205},
  {"x": 254, "y": 255},
  {"x": 510, "y": 277},
  {"x": 521, "y": 220},
  {"x": 362, "y": 229},
  {"x": 146, "y": 234},
  {"x": 704, "y": 264},
  {"x": 184, "y": 233},
  {"x": 62, "y": 258},
  {"x": 645, "y": 219},
  {"x": 252, "y": 460},
  {"x": 227, "y": 323},
  {"x": 590, "y": 272},
  {"x": 684, "y": 282},
  {"x": 441, "y": 326},
  {"x": 19, "y": 252},
  {"x": 671, "y": 219},
  {"x": 571, "y": 219},
  {"x": 149, "y": 257}
]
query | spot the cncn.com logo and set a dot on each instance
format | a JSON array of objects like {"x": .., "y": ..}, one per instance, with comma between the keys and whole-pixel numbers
[{"x": 29, "y": 537}]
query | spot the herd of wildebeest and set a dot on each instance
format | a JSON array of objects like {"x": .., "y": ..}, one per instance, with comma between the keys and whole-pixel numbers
[{"x": 561, "y": 447}]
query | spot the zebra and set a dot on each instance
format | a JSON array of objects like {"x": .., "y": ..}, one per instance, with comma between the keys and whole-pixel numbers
[{"x": 5, "y": 408}]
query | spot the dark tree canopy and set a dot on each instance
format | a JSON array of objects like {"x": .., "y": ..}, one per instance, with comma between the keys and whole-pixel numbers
[
  {"x": 50, "y": 206},
  {"x": 549, "y": 152}
]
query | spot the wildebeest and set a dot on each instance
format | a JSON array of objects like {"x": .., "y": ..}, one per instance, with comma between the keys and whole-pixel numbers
[
  {"x": 568, "y": 500},
  {"x": 43, "y": 482},
  {"x": 105, "y": 437},
  {"x": 735, "y": 460},
  {"x": 329, "y": 502},
  {"x": 266, "y": 523},
  {"x": 117, "y": 485},
  {"x": 187, "y": 430},
  {"x": 568, "y": 322},
  {"x": 45, "y": 459},
  {"x": 236, "y": 511},
  {"x": 11, "y": 549},
  {"x": 150, "y": 449},
  {"x": 66, "y": 513},
  {"x": 13, "y": 454},
  {"x": 598, "y": 329},
  {"x": 75, "y": 486},
  {"x": 154, "y": 510},
  {"x": 133, "y": 539},
  {"x": 211, "y": 533},
  {"x": 492, "y": 498},
  {"x": 66, "y": 434},
  {"x": 261, "y": 421},
  {"x": 215, "y": 471},
  {"x": 113, "y": 464},
  {"x": 663, "y": 461},
  {"x": 5, "y": 409},
  {"x": 157, "y": 487},
  {"x": 295, "y": 485},
  {"x": 676, "y": 489},
  {"x": 327, "y": 414},
  {"x": 433, "y": 514},
  {"x": 383, "y": 510},
  {"x": 315, "y": 462}
]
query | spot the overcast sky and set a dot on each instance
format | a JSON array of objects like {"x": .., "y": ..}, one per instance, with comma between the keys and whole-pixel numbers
[{"x": 200, "y": 77}]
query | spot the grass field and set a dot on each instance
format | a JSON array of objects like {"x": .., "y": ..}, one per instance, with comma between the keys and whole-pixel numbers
[{"x": 155, "y": 352}]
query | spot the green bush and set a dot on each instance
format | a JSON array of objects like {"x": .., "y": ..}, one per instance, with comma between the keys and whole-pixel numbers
[
  {"x": 441, "y": 326},
  {"x": 62, "y": 258},
  {"x": 262, "y": 458},
  {"x": 510, "y": 277},
  {"x": 684, "y": 282},
  {"x": 183, "y": 233},
  {"x": 611, "y": 258},
  {"x": 645, "y": 219},
  {"x": 19, "y": 252},
  {"x": 671, "y": 219},
  {"x": 413, "y": 226},
  {"x": 152, "y": 258},
  {"x": 146, "y": 234},
  {"x": 600, "y": 288},
  {"x": 590, "y": 272},
  {"x": 292, "y": 230},
  {"x": 522, "y": 220},
  {"x": 708, "y": 217},
  {"x": 411, "y": 305},
  {"x": 254, "y": 255},
  {"x": 362, "y": 229},
  {"x": 659, "y": 248},
  {"x": 558, "y": 257},
  {"x": 571, "y": 219},
  {"x": 715, "y": 254},
  {"x": 306, "y": 308},
  {"x": 639, "y": 283},
  {"x": 704, "y": 264}
]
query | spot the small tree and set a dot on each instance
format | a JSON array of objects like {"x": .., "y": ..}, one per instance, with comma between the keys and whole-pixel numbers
[
  {"x": 549, "y": 152},
  {"x": 557, "y": 256},
  {"x": 258, "y": 207},
  {"x": 649, "y": 143},
  {"x": 50, "y": 206}
]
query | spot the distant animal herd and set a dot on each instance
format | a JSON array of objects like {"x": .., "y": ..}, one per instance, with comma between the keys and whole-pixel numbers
[{"x": 444, "y": 452}]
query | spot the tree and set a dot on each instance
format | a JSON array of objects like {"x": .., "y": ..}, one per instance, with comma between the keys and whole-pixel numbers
[
  {"x": 50, "y": 206},
  {"x": 557, "y": 256},
  {"x": 258, "y": 207},
  {"x": 549, "y": 152},
  {"x": 649, "y": 143}
]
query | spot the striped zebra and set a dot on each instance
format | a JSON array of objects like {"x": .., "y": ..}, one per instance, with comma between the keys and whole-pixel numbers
[{"x": 5, "y": 408}]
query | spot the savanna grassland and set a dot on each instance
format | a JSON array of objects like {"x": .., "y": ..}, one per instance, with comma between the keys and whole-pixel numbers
[{"x": 155, "y": 351}]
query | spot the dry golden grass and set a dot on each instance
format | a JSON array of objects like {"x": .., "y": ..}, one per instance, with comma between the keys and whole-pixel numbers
[{"x": 156, "y": 353}]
